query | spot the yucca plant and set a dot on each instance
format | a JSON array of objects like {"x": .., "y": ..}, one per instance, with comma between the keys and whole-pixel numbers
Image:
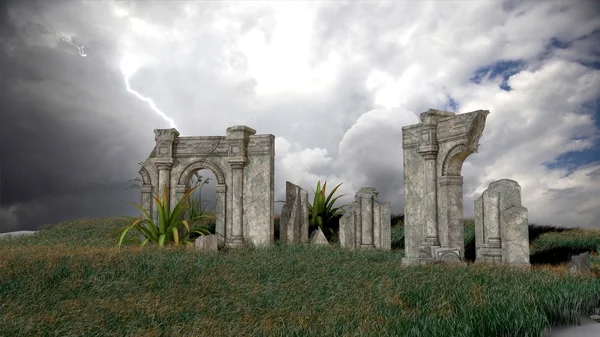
[
  {"x": 168, "y": 227},
  {"x": 321, "y": 211}
]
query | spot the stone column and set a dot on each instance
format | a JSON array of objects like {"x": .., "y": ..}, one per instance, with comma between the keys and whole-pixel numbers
[
  {"x": 220, "y": 212},
  {"x": 164, "y": 177},
  {"x": 365, "y": 198},
  {"x": 237, "y": 191},
  {"x": 165, "y": 139},
  {"x": 428, "y": 148},
  {"x": 237, "y": 138},
  {"x": 451, "y": 231}
]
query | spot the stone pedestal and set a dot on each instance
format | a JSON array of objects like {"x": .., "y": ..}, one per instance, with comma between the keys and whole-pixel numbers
[{"x": 366, "y": 223}]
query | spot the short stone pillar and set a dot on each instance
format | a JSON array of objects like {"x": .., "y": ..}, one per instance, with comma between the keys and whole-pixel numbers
[
  {"x": 501, "y": 225},
  {"x": 367, "y": 222},
  {"x": 293, "y": 224}
]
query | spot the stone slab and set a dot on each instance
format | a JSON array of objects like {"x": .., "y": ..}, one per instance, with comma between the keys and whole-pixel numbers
[{"x": 294, "y": 215}]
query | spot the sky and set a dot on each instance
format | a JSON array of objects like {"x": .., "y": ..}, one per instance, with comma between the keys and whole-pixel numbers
[{"x": 83, "y": 84}]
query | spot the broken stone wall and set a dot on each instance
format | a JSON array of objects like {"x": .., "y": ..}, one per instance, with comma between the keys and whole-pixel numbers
[
  {"x": 501, "y": 224},
  {"x": 367, "y": 222}
]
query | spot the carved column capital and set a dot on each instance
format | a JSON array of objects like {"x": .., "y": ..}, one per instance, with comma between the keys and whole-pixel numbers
[
  {"x": 237, "y": 164},
  {"x": 428, "y": 147},
  {"x": 163, "y": 166}
]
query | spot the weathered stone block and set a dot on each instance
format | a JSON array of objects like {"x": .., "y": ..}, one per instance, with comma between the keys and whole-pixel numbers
[
  {"x": 579, "y": 263},
  {"x": 206, "y": 243},
  {"x": 294, "y": 215},
  {"x": 447, "y": 255},
  {"x": 367, "y": 222},
  {"x": 433, "y": 154},
  {"x": 501, "y": 224},
  {"x": 318, "y": 238}
]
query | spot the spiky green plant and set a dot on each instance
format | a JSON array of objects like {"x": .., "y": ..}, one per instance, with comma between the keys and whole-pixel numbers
[
  {"x": 168, "y": 227},
  {"x": 321, "y": 211}
]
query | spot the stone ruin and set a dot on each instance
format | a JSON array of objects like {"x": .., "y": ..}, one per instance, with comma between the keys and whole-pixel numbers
[
  {"x": 501, "y": 225},
  {"x": 243, "y": 164},
  {"x": 293, "y": 223},
  {"x": 367, "y": 222},
  {"x": 434, "y": 152}
]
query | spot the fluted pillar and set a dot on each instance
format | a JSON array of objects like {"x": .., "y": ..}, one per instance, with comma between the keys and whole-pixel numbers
[
  {"x": 237, "y": 138},
  {"x": 428, "y": 148},
  {"x": 237, "y": 219},
  {"x": 451, "y": 217},
  {"x": 164, "y": 177}
]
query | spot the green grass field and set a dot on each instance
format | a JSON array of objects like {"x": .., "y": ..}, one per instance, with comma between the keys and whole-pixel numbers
[{"x": 70, "y": 280}]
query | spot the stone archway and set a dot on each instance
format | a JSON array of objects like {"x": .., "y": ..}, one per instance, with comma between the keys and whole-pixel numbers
[
  {"x": 434, "y": 152},
  {"x": 221, "y": 189},
  {"x": 243, "y": 164},
  {"x": 146, "y": 191}
]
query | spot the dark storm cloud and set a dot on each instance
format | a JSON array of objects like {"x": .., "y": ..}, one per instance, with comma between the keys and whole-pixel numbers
[{"x": 65, "y": 144}]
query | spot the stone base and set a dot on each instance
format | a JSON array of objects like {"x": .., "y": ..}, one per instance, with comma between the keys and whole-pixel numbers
[
  {"x": 447, "y": 254},
  {"x": 410, "y": 261},
  {"x": 235, "y": 243},
  {"x": 415, "y": 261},
  {"x": 206, "y": 243}
]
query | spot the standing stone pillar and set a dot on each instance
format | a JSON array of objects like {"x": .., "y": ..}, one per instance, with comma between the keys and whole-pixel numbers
[
  {"x": 293, "y": 223},
  {"x": 238, "y": 138},
  {"x": 221, "y": 199},
  {"x": 428, "y": 148},
  {"x": 451, "y": 216},
  {"x": 237, "y": 218},
  {"x": 165, "y": 138}
]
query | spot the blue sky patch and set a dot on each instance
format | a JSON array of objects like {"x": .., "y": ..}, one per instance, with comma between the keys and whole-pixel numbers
[
  {"x": 574, "y": 159},
  {"x": 502, "y": 68},
  {"x": 451, "y": 105}
]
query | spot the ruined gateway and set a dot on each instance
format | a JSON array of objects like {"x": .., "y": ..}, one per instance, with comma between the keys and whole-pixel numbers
[
  {"x": 434, "y": 152},
  {"x": 243, "y": 164}
]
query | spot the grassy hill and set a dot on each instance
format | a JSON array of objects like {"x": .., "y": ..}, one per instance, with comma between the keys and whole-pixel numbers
[{"x": 70, "y": 280}]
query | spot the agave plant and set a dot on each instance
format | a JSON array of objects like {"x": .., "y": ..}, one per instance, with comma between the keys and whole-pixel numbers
[
  {"x": 168, "y": 227},
  {"x": 321, "y": 210}
]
